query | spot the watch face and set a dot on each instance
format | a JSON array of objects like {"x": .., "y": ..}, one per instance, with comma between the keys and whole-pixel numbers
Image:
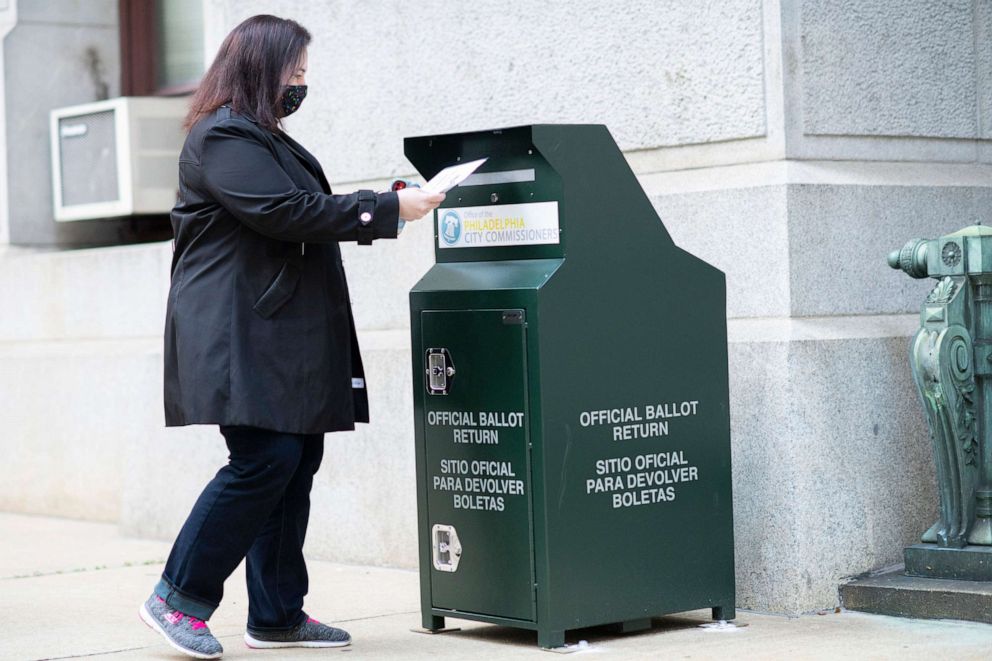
[{"x": 950, "y": 254}]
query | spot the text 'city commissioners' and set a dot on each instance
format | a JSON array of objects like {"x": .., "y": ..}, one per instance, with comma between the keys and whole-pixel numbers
[
  {"x": 505, "y": 237},
  {"x": 504, "y": 230}
]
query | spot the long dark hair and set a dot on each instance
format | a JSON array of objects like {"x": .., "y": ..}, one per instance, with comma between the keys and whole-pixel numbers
[{"x": 249, "y": 70}]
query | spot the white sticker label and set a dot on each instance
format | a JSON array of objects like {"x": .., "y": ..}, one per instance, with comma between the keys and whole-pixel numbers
[
  {"x": 357, "y": 383},
  {"x": 535, "y": 223}
]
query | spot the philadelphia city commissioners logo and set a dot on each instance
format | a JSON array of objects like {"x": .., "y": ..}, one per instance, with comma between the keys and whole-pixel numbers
[{"x": 451, "y": 227}]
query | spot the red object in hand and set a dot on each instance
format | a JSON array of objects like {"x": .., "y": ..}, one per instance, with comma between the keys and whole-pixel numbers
[{"x": 400, "y": 184}]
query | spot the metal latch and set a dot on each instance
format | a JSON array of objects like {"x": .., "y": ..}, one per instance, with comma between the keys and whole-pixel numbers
[
  {"x": 440, "y": 371},
  {"x": 447, "y": 549}
]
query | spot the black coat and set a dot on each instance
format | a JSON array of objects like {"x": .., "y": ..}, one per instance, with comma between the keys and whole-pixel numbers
[{"x": 259, "y": 330}]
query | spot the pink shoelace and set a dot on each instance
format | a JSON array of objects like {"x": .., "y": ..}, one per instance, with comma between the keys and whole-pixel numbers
[{"x": 175, "y": 617}]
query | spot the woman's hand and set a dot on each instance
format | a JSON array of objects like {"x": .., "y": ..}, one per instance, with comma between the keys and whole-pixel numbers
[{"x": 416, "y": 203}]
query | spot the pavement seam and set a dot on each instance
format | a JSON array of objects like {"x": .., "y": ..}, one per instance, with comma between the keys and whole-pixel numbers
[
  {"x": 81, "y": 656},
  {"x": 375, "y": 617},
  {"x": 224, "y": 637},
  {"x": 82, "y": 570}
]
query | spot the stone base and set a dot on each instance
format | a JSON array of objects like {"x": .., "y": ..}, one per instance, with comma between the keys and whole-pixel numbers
[
  {"x": 971, "y": 563},
  {"x": 926, "y": 598}
]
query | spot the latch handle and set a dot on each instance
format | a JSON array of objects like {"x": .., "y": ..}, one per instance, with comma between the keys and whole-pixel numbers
[
  {"x": 446, "y": 549},
  {"x": 440, "y": 371}
]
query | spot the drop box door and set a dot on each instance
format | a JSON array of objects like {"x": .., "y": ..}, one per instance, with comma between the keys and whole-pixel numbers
[{"x": 478, "y": 462}]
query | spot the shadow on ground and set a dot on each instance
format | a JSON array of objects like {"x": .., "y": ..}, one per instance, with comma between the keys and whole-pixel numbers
[{"x": 593, "y": 635}]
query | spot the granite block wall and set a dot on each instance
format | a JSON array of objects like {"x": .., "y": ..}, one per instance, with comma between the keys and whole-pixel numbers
[{"x": 59, "y": 53}]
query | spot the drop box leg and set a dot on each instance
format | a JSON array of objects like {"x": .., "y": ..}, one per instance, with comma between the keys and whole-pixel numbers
[
  {"x": 726, "y": 613},
  {"x": 433, "y": 622},
  {"x": 549, "y": 638}
]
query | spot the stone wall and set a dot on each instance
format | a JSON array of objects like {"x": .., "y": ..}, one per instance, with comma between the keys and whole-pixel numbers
[
  {"x": 60, "y": 53},
  {"x": 8, "y": 18}
]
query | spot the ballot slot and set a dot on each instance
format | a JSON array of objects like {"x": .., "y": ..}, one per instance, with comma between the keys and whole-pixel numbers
[{"x": 504, "y": 177}]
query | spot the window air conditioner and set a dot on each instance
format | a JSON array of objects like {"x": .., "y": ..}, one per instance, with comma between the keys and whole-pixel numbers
[{"x": 118, "y": 157}]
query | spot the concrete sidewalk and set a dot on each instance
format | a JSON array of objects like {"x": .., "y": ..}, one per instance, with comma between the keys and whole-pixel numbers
[{"x": 71, "y": 589}]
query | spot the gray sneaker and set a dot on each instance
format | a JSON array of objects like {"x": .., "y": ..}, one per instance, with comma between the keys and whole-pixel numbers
[
  {"x": 186, "y": 634},
  {"x": 309, "y": 634}
]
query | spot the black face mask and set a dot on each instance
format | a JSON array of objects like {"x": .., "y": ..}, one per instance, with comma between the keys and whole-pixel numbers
[{"x": 292, "y": 97}]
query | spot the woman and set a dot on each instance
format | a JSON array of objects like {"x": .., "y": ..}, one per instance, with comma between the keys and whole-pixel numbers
[{"x": 259, "y": 337}]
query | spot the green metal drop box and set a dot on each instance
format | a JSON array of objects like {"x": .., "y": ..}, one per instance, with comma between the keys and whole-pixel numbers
[{"x": 570, "y": 395}]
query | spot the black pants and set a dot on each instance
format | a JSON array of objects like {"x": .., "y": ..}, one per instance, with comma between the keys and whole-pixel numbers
[{"x": 256, "y": 507}]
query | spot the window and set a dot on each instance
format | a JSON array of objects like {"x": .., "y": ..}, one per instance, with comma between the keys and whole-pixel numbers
[{"x": 161, "y": 46}]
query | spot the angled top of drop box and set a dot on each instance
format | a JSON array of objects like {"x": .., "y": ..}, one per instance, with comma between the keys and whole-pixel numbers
[{"x": 546, "y": 191}]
